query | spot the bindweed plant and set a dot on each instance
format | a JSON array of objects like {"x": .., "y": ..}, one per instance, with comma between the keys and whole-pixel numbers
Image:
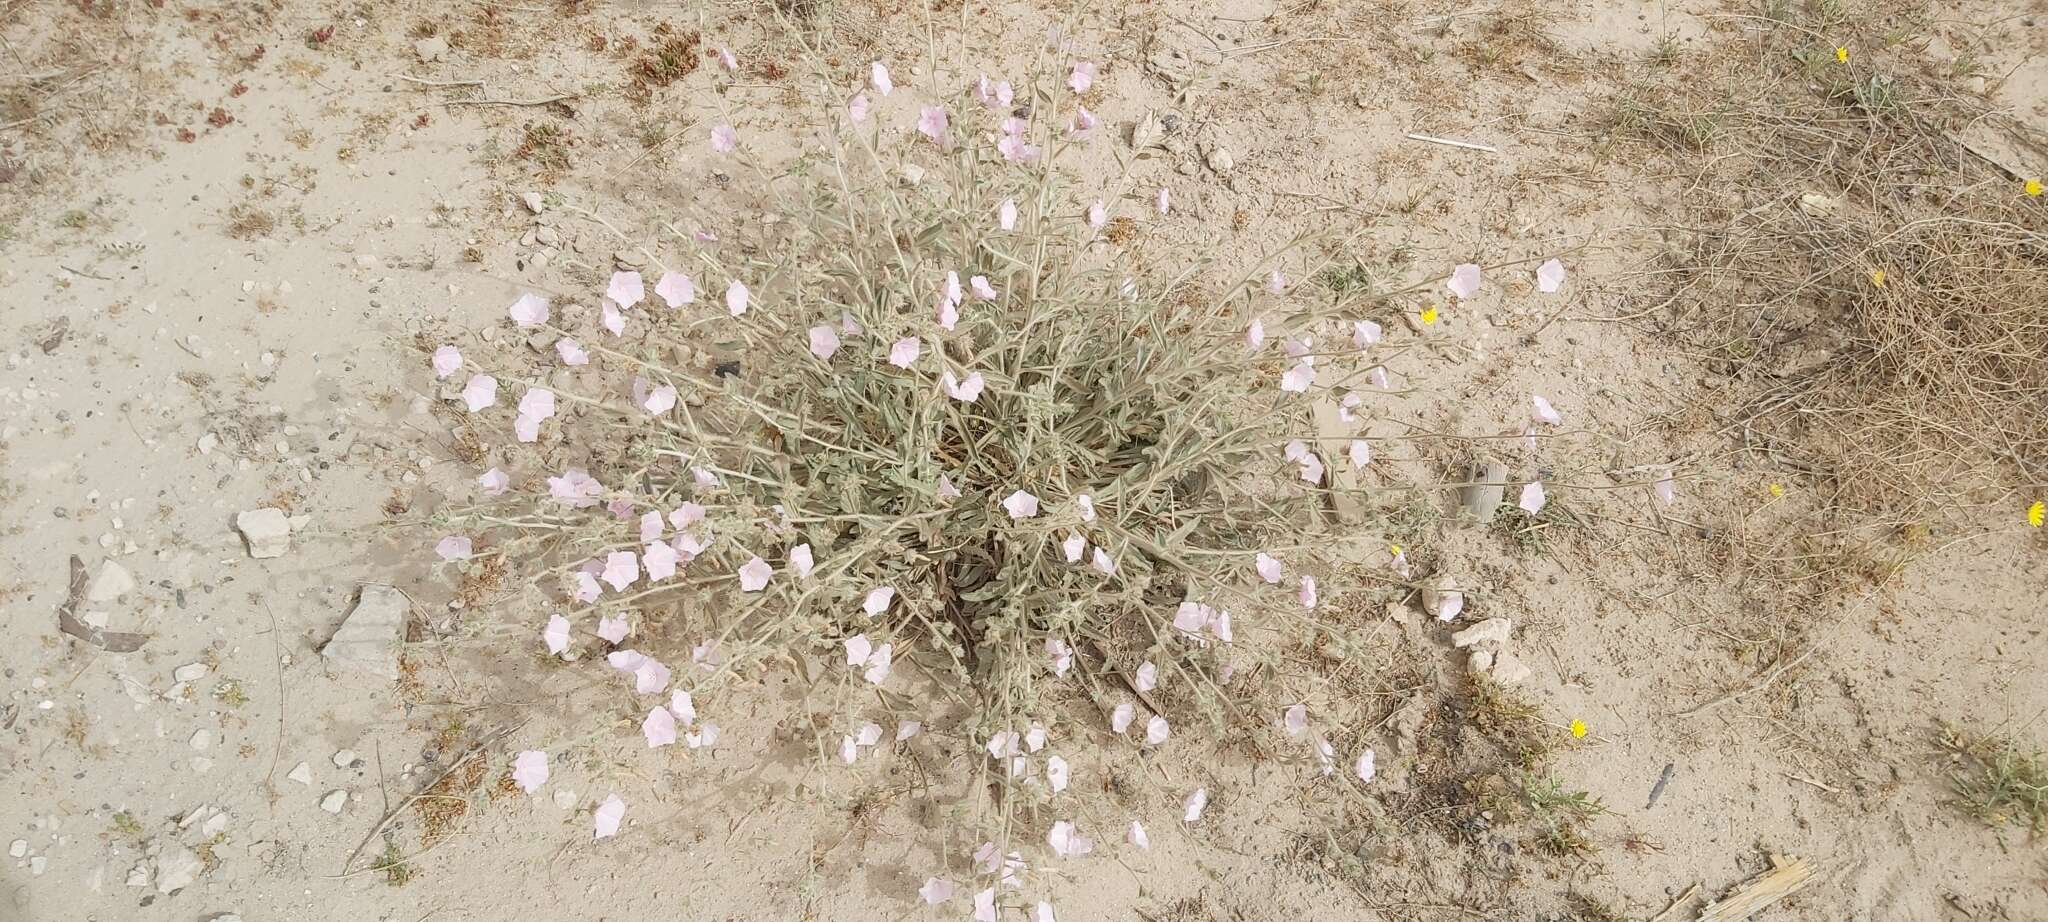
[{"x": 927, "y": 418}]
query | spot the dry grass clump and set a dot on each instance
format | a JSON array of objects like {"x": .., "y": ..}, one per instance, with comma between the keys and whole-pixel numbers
[
  {"x": 1875, "y": 280},
  {"x": 1997, "y": 780}
]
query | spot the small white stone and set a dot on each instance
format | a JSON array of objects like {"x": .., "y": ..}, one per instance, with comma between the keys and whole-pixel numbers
[
  {"x": 334, "y": 801},
  {"x": 302, "y": 774},
  {"x": 18, "y": 849},
  {"x": 113, "y": 582},
  {"x": 1489, "y": 631},
  {"x": 344, "y": 758},
  {"x": 37, "y": 865},
  {"x": 267, "y": 531},
  {"x": 190, "y": 672},
  {"x": 176, "y": 867},
  {"x": 534, "y": 202},
  {"x": 214, "y": 825},
  {"x": 202, "y": 739},
  {"x": 564, "y": 798}
]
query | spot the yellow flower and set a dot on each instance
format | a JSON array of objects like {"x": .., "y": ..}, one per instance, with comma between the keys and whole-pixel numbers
[
  {"x": 1396, "y": 549},
  {"x": 1578, "y": 729},
  {"x": 1429, "y": 315},
  {"x": 1877, "y": 277},
  {"x": 2033, "y": 187},
  {"x": 1777, "y": 490},
  {"x": 2036, "y": 513},
  {"x": 1842, "y": 54}
]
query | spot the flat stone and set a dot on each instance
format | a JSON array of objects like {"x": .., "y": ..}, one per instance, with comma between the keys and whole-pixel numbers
[
  {"x": 1508, "y": 669},
  {"x": 266, "y": 531},
  {"x": 302, "y": 773},
  {"x": 113, "y": 582},
  {"x": 176, "y": 868},
  {"x": 1479, "y": 661},
  {"x": 344, "y": 758},
  {"x": 533, "y": 202},
  {"x": 1481, "y": 501},
  {"x": 1492, "y": 631},
  {"x": 334, "y": 801},
  {"x": 369, "y": 637},
  {"x": 190, "y": 672},
  {"x": 430, "y": 49}
]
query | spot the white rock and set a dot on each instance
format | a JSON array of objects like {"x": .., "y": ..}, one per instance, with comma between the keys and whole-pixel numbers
[
  {"x": 533, "y": 202},
  {"x": 1479, "y": 661},
  {"x": 334, "y": 801},
  {"x": 201, "y": 765},
  {"x": 1490, "y": 631},
  {"x": 430, "y": 49},
  {"x": 564, "y": 798},
  {"x": 369, "y": 638},
  {"x": 37, "y": 865},
  {"x": 344, "y": 758},
  {"x": 190, "y": 672},
  {"x": 113, "y": 582},
  {"x": 224, "y": 917},
  {"x": 208, "y": 442},
  {"x": 18, "y": 849},
  {"x": 267, "y": 532},
  {"x": 202, "y": 739},
  {"x": 176, "y": 867},
  {"x": 214, "y": 825},
  {"x": 302, "y": 774},
  {"x": 1509, "y": 669}
]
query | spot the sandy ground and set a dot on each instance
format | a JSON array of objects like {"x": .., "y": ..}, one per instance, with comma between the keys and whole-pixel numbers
[{"x": 217, "y": 264}]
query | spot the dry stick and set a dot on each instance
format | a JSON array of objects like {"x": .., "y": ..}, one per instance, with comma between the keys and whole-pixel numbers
[
  {"x": 277, "y": 659},
  {"x": 1683, "y": 898},
  {"x": 512, "y": 102},
  {"x": 441, "y": 83},
  {"x": 1447, "y": 142}
]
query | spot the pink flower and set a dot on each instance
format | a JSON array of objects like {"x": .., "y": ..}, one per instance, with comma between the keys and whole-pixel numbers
[
  {"x": 447, "y": 360},
  {"x": 480, "y": 392},
  {"x": 686, "y": 515},
  {"x": 608, "y": 816},
  {"x": 1086, "y": 505},
  {"x": 495, "y": 482},
  {"x": 992, "y": 94},
  {"x": 1542, "y": 411},
  {"x": 1062, "y": 657},
  {"x": 1307, "y": 592},
  {"x": 1361, "y": 453},
  {"x": 1147, "y": 677},
  {"x": 907, "y": 729},
  {"x": 879, "y": 76},
  {"x": 1021, "y": 505},
  {"x": 1347, "y": 406},
  {"x": 1074, "y": 546},
  {"x": 570, "y": 352},
  {"x": 904, "y": 351},
  {"x": 754, "y": 575},
  {"x": 1268, "y": 567},
  {"x": 1101, "y": 561},
  {"x": 949, "y": 314},
  {"x": 659, "y": 727},
  {"x": 878, "y": 600},
  {"x": 1098, "y": 215},
  {"x": 736, "y": 298},
  {"x": 660, "y": 559},
  {"x": 1066, "y": 842},
  {"x": 1084, "y": 121},
  {"x": 931, "y": 122},
  {"x": 857, "y": 108},
  {"x": 1297, "y": 380},
  {"x": 824, "y": 342},
  {"x": 1449, "y": 604},
  {"x": 1191, "y": 617},
  {"x": 1366, "y": 767},
  {"x": 614, "y": 629},
  {"x": 1532, "y": 498},
  {"x": 531, "y": 310},
  {"x": 530, "y": 770},
  {"x": 936, "y": 890},
  {"x": 537, "y": 402},
  {"x": 1006, "y": 216},
  {"x": 626, "y": 289},
  {"x": 1464, "y": 281},
  {"x": 1164, "y": 201},
  {"x": 613, "y": 320},
  {"x": 1276, "y": 283},
  {"x": 946, "y": 489},
  {"x": 963, "y": 391},
  {"x": 587, "y": 588},
  {"x": 556, "y": 634},
  {"x": 660, "y": 400},
  {"x": 454, "y": 547},
  {"x": 675, "y": 289},
  {"x": 724, "y": 140},
  {"x": 1365, "y": 333},
  {"x": 1378, "y": 374},
  {"x": 1296, "y": 720},
  {"x": 877, "y": 672},
  {"x": 681, "y": 705},
  {"x": 1192, "y": 807},
  {"x": 985, "y": 905},
  {"x": 726, "y": 57},
  {"x": 1549, "y": 276},
  {"x": 982, "y": 289},
  {"x": 1665, "y": 488},
  {"x": 621, "y": 569},
  {"x": 1136, "y": 836},
  {"x": 801, "y": 561},
  {"x": 1082, "y": 77},
  {"x": 1157, "y": 731},
  {"x": 1255, "y": 335},
  {"x": 1120, "y": 718}
]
